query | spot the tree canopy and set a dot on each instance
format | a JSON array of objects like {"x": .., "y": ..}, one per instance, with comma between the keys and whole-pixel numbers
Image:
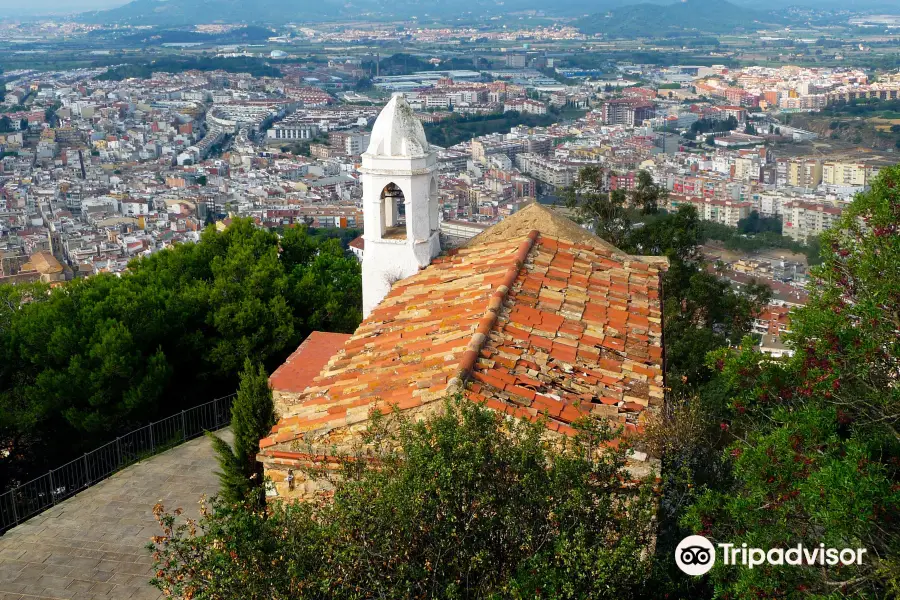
[
  {"x": 465, "y": 504},
  {"x": 815, "y": 439},
  {"x": 97, "y": 356},
  {"x": 241, "y": 64}
]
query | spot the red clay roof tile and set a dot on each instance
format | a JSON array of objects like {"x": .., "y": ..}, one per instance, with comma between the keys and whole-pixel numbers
[
  {"x": 578, "y": 327},
  {"x": 307, "y": 361}
]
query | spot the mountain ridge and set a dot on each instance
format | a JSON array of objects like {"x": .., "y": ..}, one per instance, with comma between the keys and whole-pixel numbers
[
  {"x": 702, "y": 16},
  {"x": 193, "y": 12},
  {"x": 709, "y": 16}
]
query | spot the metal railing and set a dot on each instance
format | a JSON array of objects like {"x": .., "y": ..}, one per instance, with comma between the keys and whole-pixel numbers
[{"x": 23, "y": 502}]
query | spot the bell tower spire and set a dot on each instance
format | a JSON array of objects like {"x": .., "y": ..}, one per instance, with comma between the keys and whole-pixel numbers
[{"x": 400, "y": 202}]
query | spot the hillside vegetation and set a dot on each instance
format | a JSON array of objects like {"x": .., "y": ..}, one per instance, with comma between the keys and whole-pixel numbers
[
  {"x": 253, "y": 66},
  {"x": 82, "y": 363},
  {"x": 455, "y": 130},
  {"x": 644, "y": 20}
]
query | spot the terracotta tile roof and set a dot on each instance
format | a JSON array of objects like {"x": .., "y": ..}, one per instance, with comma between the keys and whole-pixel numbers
[
  {"x": 531, "y": 324},
  {"x": 44, "y": 262},
  {"x": 307, "y": 361},
  {"x": 580, "y": 333},
  {"x": 409, "y": 348}
]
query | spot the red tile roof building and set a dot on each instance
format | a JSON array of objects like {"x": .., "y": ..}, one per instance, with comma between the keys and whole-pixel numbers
[
  {"x": 558, "y": 323},
  {"x": 774, "y": 320}
]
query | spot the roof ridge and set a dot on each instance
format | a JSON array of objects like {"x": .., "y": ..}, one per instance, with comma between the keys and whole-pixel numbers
[
  {"x": 549, "y": 222},
  {"x": 487, "y": 322}
]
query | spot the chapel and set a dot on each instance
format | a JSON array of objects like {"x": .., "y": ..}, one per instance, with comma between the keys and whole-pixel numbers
[{"x": 535, "y": 317}]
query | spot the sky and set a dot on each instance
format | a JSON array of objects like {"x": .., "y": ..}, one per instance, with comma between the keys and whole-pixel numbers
[{"x": 20, "y": 7}]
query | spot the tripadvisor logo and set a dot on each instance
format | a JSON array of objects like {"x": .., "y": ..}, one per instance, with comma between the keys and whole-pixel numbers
[{"x": 695, "y": 555}]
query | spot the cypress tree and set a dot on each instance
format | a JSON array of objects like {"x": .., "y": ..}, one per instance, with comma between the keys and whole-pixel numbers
[
  {"x": 235, "y": 487},
  {"x": 252, "y": 416}
]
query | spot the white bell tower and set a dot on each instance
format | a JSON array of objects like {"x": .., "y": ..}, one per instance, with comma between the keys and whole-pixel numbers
[{"x": 400, "y": 202}]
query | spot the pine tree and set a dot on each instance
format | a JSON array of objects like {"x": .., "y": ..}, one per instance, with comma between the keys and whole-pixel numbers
[{"x": 252, "y": 416}]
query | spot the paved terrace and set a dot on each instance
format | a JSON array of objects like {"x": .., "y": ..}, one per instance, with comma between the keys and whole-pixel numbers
[{"x": 92, "y": 545}]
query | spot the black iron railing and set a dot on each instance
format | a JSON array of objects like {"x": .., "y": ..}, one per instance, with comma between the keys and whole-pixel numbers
[{"x": 25, "y": 501}]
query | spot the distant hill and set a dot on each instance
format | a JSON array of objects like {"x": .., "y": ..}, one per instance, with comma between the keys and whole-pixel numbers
[
  {"x": 192, "y": 12},
  {"x": 161, "y": 35},
  {"x": 170, "y": 13},
  {"x": 887, "y": 6},
  {"x": 706, "y": 16},
  {"x": 614, "y": 17}
]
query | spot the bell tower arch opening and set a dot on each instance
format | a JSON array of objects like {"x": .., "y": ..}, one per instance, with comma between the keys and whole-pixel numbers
[{"x": 393, "y": 213}]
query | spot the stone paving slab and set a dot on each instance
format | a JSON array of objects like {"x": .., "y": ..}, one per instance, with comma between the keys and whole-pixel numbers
[{"x": 92, "y": 546}]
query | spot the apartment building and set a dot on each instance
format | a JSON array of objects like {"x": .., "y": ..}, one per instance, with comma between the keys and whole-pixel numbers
[
  {"x": 547, "y": 170},
  {"x": 626, "y": 111},
  {"x": 353, "y": 142},
  {"x": 746, "y": 168},
  {"x": 726, "y": 212},
  {"x": 497, "y": 144},
  {"x": 697, "y": 185},
  {"x": 850, "y": 173},
  {"x": 798, "y": 172},
  {"x": 809, "y": 102},
  {"x": 805, "y": 219},
  {"x": 525, "y": 106},
  {"x": 468, "y": 96},
  {"x": 625, "y": 181},
  {"x": 516, "y": 60},
  {"x": 433, "y": 101},
  {"x": 452, "y": 161},
  {"x": 323, "y": 151},
  {"x": 539, "y": 145},
  {"x": 770, "y": 204},
  {"x": 523, "y": 187},
  {"x": 738, "y": 112}
]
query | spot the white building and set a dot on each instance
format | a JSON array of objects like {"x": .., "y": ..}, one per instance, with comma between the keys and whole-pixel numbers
[
  {"x": 546, "y": 169},
  {"x": 525, "y": 106},
  {"x": 135, "y": 208},
  {"x": 437, "y": 101},
  {"x": 400, "y": 202},
  {"x": 293, "y": 131},
  {"x": 355, "y": 143},
  {"x": 771, "y": 204},
  {"x": 774, "y": 346}
]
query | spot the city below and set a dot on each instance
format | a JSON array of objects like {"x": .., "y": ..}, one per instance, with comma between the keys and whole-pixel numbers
[{"x": 97, "y": 172}]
